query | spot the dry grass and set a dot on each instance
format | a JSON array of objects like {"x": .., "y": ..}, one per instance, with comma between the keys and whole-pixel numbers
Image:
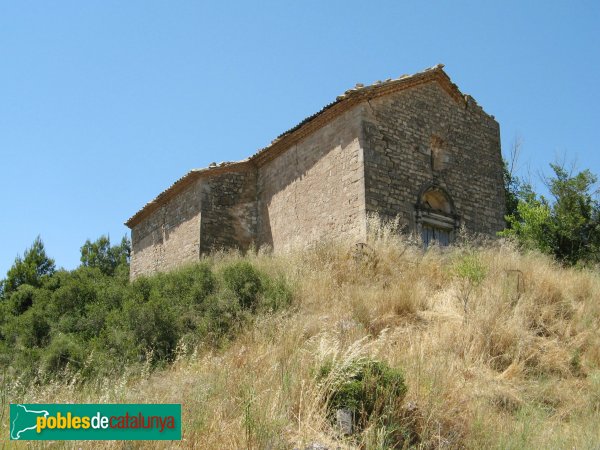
[{"x": 516, "y": 366}]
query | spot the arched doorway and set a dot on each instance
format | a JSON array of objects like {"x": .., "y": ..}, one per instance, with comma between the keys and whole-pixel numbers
[{"x": 436, "y": 218}]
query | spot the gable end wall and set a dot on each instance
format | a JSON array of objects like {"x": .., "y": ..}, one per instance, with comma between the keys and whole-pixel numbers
[
  {"x": 399, "y": 133},
  {"x": 168, "y": 237}
]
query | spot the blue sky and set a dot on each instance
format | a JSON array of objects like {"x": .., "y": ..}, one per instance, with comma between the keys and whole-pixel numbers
[{"x": 103, "y": 104}]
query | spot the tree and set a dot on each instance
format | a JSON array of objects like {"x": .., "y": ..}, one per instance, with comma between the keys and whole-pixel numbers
[
  {"x": 575, "y": 215},
  {"x": 529, "y": 224},
  {"x": 100, "y": 254},
  {"x": 32, "y": 269},
  {"x": 568, "y": 227}
]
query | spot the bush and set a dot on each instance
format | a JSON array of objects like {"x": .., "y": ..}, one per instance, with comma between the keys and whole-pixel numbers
[
  {"x": 223, "y": 315},
  {"x": 76, "y": 291},
  {"x": 471, "y": 269},
  {"x": 34, "y": 329},
  {"x": 566, "y": 226},
  {"x": 245, "y": 282},
  {"x": 188, "y": 286},
  {"x": 153, "y": 326},
  {"x": 276, "y": 293},
  {"x": 141, "y": 289},
  {"x": 63, "y": 350},
  {"x": 471, "y": 272},
  {"x": 371, "y": 389},
  {"x": 76, "y": 313}
]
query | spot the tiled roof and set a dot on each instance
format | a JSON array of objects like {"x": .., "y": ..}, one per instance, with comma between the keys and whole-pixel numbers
[{"x": 310, "y": 124}]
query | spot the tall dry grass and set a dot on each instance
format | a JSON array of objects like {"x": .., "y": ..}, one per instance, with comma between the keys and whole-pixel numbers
[{"x": 499, "y": 349}]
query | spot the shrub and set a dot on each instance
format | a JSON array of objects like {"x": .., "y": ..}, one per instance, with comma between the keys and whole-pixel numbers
[
  {"x": 470, "y": 269},
  {"x": 63, "y": 350},
  {"x": 111, "y": 295},
  {"x": 124, "y": 323},
  {"x": 277, "y": 293},
  {"x": 187, "y": 286},
  {"x": 141, "y": 289},
  {"x": 154, "y": 328},
  {"x": 245, "y": 282},
  {"x": 76, "y": 291},
  {"x": 28, "y": 330},
  {"x": 223, "y": 315},
  {"x": 471, "y": 272},
  {"x": 566, "y": 226},
  {"x": 34, "y": 329},
  {"x": 371, "y": 389}
]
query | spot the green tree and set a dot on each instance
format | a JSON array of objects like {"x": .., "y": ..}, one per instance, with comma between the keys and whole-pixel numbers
[
  {"x": 567, "y": 227},
  {"x": 575, "y": 215},
  {"x": 530, "y": 224},
  {"x": 33, "y": 268},
  {"x": 101, "y": 255},
  {"x": 511, "y": 191}
]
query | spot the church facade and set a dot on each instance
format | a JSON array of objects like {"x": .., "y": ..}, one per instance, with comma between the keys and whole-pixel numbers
[{"x": 413, "y": 147}]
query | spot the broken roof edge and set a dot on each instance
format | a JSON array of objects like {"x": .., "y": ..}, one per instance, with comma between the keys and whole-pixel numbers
[{"x": 309, "y": 125}]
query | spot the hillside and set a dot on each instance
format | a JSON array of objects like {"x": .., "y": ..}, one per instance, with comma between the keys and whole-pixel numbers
[{"x": 498, "y": 349}]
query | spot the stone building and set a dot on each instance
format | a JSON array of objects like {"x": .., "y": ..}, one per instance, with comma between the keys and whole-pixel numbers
[{"x": 414, "y": 147}]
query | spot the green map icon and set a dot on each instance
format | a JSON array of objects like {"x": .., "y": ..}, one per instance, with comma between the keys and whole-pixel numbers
[
  {"x": 23, "y": 420},
  {"x": 92, "y": 421}
]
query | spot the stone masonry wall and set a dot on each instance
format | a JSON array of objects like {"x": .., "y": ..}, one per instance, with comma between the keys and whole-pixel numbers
[
  {"x": 315, "y": 189},
  {"x": 170, "y": 236},
  {"x": 377, "y": 156},
  {"x": 229, "y": 210},
  {"x": 421, "y": 136}
]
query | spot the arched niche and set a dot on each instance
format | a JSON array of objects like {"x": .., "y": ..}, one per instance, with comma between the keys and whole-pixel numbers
[{"x": 437, "y": 200}]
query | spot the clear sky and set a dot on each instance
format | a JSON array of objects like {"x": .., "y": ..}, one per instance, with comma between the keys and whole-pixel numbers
[{"x": 103, "y": 104}]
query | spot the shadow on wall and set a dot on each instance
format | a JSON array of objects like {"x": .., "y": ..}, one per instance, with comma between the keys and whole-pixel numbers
[
  {"x": 156, "y": 230},
  {"x": 295, "y": 175}
]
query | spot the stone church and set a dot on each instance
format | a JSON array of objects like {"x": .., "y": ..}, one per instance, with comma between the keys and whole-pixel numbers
[{"x": 414, "y": 147}]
